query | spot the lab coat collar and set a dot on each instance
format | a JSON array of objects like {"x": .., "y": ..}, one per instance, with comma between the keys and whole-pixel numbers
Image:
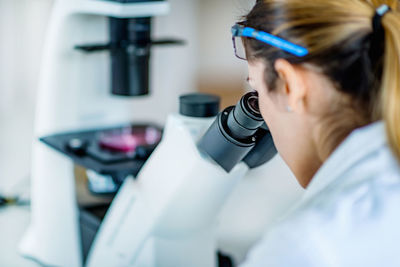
[{"x": 355, "y": 147}]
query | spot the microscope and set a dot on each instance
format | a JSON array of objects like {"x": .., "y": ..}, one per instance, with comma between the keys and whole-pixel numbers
[
  {"x": 170, "y": 188},
  {"x": 96, "y": 55}
]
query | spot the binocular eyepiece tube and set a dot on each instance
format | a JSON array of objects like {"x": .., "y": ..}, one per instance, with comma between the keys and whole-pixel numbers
[{"x": 234, "y": 132}]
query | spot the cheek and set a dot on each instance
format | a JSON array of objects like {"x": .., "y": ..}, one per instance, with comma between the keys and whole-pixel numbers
[
  {"x": 268, "y": 110},
  {"x": 274, "y": 119}
]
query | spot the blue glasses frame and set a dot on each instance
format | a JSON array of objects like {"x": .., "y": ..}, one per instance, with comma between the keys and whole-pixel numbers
[{"x": 242, "y": 31}]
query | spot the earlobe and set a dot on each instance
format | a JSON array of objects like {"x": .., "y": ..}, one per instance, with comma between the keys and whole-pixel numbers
[{"x": 293, "y": 87}]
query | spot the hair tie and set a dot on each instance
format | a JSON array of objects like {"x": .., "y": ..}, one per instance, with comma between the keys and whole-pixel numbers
[
  {"x": 377, "y": 19},
  {"x": 377, "y": 46}
]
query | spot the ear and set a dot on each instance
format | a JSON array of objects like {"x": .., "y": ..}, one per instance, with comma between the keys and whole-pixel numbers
[{"x": 293, "y": 88}]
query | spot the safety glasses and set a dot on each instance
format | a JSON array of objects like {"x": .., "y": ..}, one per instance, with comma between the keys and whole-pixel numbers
[{"x": 239, "y": 31}]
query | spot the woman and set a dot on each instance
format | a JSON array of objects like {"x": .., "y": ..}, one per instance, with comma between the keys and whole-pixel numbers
[{"x": 328, "y": 77}]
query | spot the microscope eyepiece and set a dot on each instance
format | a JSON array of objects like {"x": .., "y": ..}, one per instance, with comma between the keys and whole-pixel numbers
[
  {"x": 234, "y": 133},
  {"x": 245, "y": 118},
  {"x": 252, "y": 102}
]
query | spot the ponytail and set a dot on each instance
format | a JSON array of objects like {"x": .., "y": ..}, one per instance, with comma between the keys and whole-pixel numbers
[{"x": 390, "y": 88}]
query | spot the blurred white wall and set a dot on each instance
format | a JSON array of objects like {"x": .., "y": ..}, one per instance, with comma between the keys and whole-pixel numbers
[
  {"x": 217, "y": 61},
  {"x": 22, "y": 28},
  {"x": 220, "y": 71}
]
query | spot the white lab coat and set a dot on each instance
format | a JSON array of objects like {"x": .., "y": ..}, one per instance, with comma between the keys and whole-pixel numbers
[{"x": 349, "y": 215}]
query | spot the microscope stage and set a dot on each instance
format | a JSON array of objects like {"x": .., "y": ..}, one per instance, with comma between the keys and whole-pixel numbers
[{"x": 113, "y": 151}]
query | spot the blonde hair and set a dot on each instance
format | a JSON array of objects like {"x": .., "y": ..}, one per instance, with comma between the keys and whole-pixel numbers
[
  {"x": 339, "y": 36},
  {"x": 390, "y": 88}
]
